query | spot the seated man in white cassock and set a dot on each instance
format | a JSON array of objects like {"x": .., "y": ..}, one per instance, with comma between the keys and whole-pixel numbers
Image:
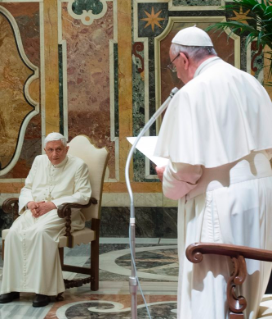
[{"x": 32, "y": 262}]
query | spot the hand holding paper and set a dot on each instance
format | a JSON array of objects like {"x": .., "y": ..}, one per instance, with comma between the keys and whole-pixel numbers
[{"x": 160, "y": 171}]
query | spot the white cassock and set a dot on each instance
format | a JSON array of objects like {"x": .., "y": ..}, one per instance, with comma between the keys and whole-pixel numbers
[
  {"x": 215, "y": 132},
  {"x": 32, "y": 262}
]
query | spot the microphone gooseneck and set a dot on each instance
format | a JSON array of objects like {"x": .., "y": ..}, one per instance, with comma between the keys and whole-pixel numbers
[{"x": 133, "y": 280}]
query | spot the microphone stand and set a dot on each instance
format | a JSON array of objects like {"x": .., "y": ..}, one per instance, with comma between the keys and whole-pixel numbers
[{"x": 133, "y": 285}]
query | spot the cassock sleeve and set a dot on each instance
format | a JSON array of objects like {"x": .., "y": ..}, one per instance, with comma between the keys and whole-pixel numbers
[
  {"x": 82, "y": 188},
  {"x": 179, "y": 179},
  {"x": 269, "y": 153},
  {"x": 26, "y": 191}
]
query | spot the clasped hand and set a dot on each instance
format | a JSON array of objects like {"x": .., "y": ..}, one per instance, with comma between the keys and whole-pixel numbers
[{"x": 40, "y": 208}]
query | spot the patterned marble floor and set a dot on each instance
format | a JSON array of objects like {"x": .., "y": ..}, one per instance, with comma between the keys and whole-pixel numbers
[{"x": 157, "y": 270}]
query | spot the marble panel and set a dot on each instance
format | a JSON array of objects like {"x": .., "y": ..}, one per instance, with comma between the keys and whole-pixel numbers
[
  {"x": 257, "y": 61},
  {"x": 154, "y": 262},
  {"x": 152, "y": 19},
  {"x": 27, "y": 19},
  {"x": 106, "y": 310},
  {"x": 88, "y": 79},
  {"x": 14, "y": 107},
  {"x": 138, "y": 111},
  {"x": 140, "y": 200},
  {"x": 23, "y": 309},
  {"x": 61, "y": 118},
  {"x": 151, "y": 222},
  {"x": 196, "y": 2},
  {"x": 243, "y": 54},
  {"x": 116, "y": 91},
  {"x": 124, "y": 18},
  {"x": 160, "y": 261},
  {"x": 85, "y": 305},
  {"x": 152, "y": 87},
  {"x": 95, "y": 6}
]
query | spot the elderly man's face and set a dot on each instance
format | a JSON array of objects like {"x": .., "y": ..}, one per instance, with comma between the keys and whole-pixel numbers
[{"x": 56, "y": 151}]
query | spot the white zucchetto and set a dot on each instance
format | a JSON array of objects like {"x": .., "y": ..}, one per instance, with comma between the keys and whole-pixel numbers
[
  {"x": 55, "y": 137},
  {"x": 194, "y": 37}
]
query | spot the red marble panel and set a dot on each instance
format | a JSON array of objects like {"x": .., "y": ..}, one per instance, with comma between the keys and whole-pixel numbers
[{"x": 88, "y": 78}]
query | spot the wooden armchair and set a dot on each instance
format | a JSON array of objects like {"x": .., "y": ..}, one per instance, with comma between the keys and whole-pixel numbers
[
  {"x": 237, "y": 304},
  {"x": 97, "y": 160}
]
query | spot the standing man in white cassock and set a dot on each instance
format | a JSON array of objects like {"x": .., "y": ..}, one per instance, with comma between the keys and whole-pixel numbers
[
  {"x": 32, "y": 262},
  {"x": 216, "y": 133}
]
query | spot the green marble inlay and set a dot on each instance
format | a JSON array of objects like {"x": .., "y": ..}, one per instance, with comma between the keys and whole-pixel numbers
[
  {"x": 95, "y": 6},
  {"x": 258, "y": 63},
  {"x": 116, "y": 90},
  {"x": 196, "y": 3},
  {"x": 138, "y": 112},
  {"x": 61, "y": 90}
]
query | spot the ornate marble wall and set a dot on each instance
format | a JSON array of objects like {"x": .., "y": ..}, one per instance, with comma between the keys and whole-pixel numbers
[
  {"x": 95, "y": 67},
  {"x": 20, "y": 135}
]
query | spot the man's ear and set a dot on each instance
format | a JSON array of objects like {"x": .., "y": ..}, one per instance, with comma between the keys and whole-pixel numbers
[
  {"x": 67, "y": 148},
  {"x": 185, "y": 60}
]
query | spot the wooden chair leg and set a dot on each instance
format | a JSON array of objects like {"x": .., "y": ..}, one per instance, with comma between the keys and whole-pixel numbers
[
  {"x": 95, "y": 256},
  {"x": 236, "y": 315},
  {"x": 95, "y": 265},
  {"x": 3, "y": 249}
]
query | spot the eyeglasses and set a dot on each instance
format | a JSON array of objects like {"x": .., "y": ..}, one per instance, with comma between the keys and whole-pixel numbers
[{"x": 172, "y": 66}]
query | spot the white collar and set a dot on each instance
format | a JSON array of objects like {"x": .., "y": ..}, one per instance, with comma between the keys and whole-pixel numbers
[
  {"x": 203, "y": 65},
  {"x": 62, "y": 164}
]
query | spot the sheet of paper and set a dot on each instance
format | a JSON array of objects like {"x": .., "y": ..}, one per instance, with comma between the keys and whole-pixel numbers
[{"x": 147, "y": 145}]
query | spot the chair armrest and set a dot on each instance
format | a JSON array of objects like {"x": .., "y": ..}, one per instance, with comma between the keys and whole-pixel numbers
[
  {"x": 65, "y": 211},
  {"x": 195, "y": 252},
  {"x": 11, "y": 206}
]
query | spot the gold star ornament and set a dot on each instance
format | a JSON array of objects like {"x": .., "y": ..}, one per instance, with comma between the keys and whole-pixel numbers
[
  {"x": 153, "y": 19},
  {"x": 241, "y": 16}
]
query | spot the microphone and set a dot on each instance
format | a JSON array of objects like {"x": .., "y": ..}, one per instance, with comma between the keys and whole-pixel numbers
[{"x": 132, "y": 279}]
